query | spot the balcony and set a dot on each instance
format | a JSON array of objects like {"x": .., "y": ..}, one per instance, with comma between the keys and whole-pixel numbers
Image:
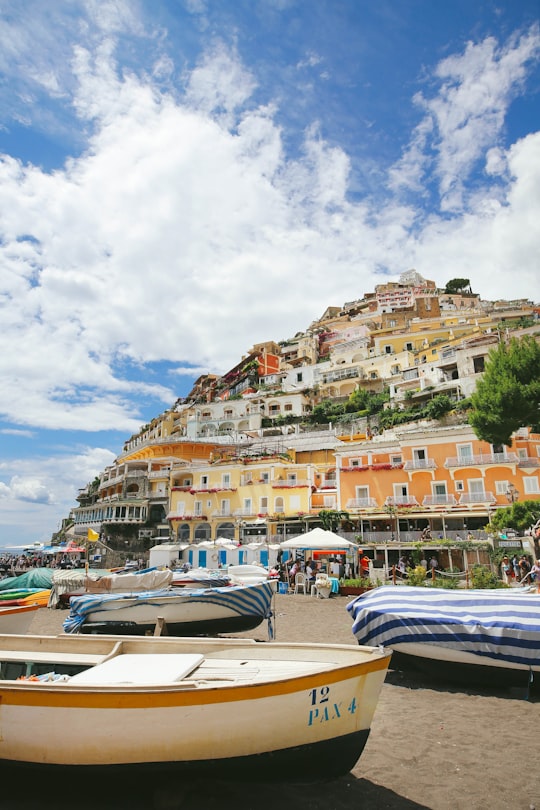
[
  {"x": 327, "y": 483},
  {"x": 402, "y": 501},
  {"x": 477, "y": 498},
  {"x": 439, "y": 500},
  {"x": 361, "y": 503},
  {"x": 221, "y": 513},
  {"x": 482, "y": 459},
  {"x": 245, "y": 512},
  {"x": 420, "y": 464},
  {"x": 529, "y": 462},
  {"x": 164, "y": 473},
  {"x": 290, "y": 483}
]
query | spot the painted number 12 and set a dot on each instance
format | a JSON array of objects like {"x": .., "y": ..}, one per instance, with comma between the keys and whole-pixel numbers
[{"x": 319, "y": 695}]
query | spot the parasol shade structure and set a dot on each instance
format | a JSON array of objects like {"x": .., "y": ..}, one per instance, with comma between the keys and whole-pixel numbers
[{"x": 319, "y": 540}]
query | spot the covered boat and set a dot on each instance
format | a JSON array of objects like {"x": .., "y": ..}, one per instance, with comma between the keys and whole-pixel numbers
[
  {"x": 474, "y": 636},
  {"x": 184, "y": 611},
  {"x": 86, "y": 705}
]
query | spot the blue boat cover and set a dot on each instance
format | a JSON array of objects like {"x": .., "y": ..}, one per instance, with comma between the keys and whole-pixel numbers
[
  {"x": 501, "y": 624},
  {"x": 242, "y": 600}
]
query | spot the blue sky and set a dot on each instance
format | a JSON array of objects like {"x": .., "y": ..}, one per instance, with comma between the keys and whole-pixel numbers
[{"x": 181, "y": 179}]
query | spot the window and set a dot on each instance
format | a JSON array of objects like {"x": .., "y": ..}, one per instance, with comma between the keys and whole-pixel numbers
[
  {"x": 287, "y": 407},
  {"x": 226, "y": 480},
  {"x": 419, "y": 454},
  {"x": 204, "y": 481},
  {"x": 465, "y": 452},
  {"x": 265, "y": 477},
  {"x": 329, "y": 502},
  {"x": 387, "y": 349},
  {"x": 530, "y": 485},
  {"x": 279, "y": 507},
  {"x": 225, "y": 507},
  {"x": 197, "y": 508},
  {"x": 501, "y": 487},
  {"x": 362, "y": 493},
  {"x": 247, "y": 506},
  {"x": 299, "y": 377},
  {"x": 291, "y": 478},
  {"x": 396, "y": 460},
  {"x": 479, "y": 364},
  {"x": 294, "y": 503},
  {"x": 476, "y": 487},
  {"x": 263, "y": 505},
  {"x": 355, "y": 462},
  {"x": 439, "y": 488},
  {"x": 459, "y": 486}
]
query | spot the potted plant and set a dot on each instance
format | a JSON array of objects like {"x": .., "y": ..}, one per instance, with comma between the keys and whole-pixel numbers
[{"x": 354, "y": 587}]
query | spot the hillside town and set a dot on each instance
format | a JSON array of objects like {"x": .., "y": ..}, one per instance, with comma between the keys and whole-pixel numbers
[{"x": 358, "y": 423}]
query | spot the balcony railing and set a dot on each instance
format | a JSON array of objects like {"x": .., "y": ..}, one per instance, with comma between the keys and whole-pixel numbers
[
  {"x": 327, "y": 483},
  {"x": 529, "y": 462},
  {"x": 482, "y": 459},
  {"x": 477, "y": 497},
  {"x": 401, "y": 501},
  {"x": 439, "y": 500},
  {"x": 290, "y": 482},
  {"x": 361, "y": 503},
  {"x": 420, "y": 464}
]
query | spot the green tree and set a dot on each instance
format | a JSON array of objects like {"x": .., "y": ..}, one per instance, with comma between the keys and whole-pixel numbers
[
  {"x": 458, "y": 285},
  {"x": 508, "y": 395},
  {"x": 520, "y": 516},
  {"x": 331, "y": 519}
]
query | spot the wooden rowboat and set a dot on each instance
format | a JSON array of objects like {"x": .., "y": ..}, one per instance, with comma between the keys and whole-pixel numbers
[{"x": 231, "y": 707}]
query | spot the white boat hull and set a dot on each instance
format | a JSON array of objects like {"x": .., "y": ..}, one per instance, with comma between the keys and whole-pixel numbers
[
  {"x": 245, "y": 703},
  {"x": 185, "y": 612}
]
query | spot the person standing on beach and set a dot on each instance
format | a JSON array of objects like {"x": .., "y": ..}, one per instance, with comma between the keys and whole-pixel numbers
[{"x": 535, "y": 573}]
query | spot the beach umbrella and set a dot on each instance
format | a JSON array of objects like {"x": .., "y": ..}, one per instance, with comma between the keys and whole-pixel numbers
[{"x": 318, "y": 540}]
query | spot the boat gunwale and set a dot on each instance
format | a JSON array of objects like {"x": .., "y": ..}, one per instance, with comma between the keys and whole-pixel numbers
[{"x": 193, "y": 690}]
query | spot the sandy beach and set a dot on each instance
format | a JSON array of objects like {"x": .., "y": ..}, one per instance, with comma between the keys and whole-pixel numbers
[{"x": 430, "y": 746}]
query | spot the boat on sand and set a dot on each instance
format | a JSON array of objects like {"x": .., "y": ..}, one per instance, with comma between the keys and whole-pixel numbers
[
  {"x": 184, "y": 611},
  {"x": 482, "y": 637},
  {"x": 113, "y": 705}
]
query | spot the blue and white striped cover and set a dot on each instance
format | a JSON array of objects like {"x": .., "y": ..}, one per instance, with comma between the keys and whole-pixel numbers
[
  {"x": 240, "y": 600},
  {"x": 499, "y": 624}
]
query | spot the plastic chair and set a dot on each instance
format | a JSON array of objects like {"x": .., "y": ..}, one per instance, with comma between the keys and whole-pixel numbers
[{"x": 300, "y": 583}]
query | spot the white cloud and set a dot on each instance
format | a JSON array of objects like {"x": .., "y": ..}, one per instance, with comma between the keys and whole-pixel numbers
[
  {"x": 184, "y": 233},
  {"x": 47, "y": 488},
  {"x": 466, "y": 116}
]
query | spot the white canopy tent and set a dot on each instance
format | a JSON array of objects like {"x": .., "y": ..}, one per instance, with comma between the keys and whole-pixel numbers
[{"x": 319, "y": 540}]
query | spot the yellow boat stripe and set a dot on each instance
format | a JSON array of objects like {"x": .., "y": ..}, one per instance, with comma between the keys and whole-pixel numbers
[{"x": 56, "y": 696}]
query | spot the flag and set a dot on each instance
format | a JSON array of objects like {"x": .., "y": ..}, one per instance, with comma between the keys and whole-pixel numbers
[{"x": 92, "y": 535}]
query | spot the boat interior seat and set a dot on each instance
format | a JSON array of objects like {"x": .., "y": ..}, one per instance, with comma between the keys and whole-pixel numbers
[{"x": 140, "y": 669}]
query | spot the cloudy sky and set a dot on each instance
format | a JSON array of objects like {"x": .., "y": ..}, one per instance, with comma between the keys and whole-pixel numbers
[{"x": 183, "y": 178}]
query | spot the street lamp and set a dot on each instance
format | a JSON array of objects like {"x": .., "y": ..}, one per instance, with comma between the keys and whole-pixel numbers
[{"x": 511, "y": 493}]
